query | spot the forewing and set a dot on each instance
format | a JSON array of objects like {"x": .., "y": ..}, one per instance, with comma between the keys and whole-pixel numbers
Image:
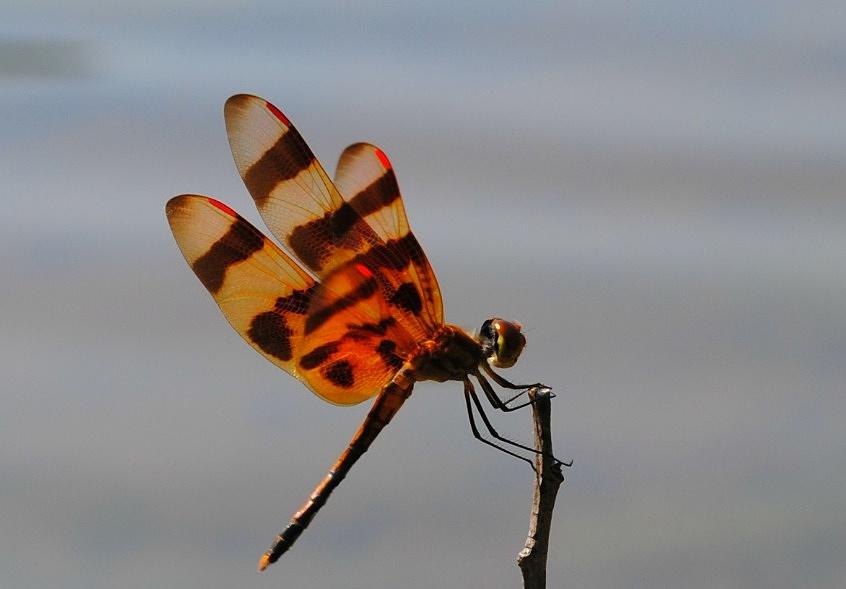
[
  {"x": 293, "y": 193},
  {"x": 262, "y": 292},
  {"x": 367, "y": 180}
]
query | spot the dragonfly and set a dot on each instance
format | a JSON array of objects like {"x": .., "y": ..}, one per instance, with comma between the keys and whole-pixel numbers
[{"x": 351, "y": 306}]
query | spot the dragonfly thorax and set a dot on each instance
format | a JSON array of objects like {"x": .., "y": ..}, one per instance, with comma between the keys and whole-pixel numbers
[{"x": 451, "y": 354}]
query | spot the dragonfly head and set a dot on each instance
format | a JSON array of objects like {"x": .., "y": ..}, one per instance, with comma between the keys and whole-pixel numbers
[{"x": 501, "y": 342}]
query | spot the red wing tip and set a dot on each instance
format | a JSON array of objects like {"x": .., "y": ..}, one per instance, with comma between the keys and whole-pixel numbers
[
  {"x": 383, "y": 158},
  {"x": 221, "y": 206},
  {"x": 278, "y": 114}
]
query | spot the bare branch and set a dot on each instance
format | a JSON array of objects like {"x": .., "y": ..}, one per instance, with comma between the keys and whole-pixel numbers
[{"x": 532, "y": 558}]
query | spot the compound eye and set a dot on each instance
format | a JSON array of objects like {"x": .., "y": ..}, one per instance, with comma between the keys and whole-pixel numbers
[
  {"x": 509, "y": 343},
  {"x": 488, "y": 332}
]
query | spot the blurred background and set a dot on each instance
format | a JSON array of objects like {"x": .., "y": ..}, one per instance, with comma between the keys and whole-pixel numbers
[{"x": 656, "y": 190}]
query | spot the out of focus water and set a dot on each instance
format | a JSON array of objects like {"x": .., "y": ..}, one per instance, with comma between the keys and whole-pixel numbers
[{"x": 655, "y": 190}]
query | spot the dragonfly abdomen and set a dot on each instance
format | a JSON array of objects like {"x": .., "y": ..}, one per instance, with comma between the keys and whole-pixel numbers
[{"x": 384, "y": 408}]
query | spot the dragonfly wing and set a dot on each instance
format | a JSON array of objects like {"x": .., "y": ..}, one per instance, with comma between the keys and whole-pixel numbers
[
  {"x": 335, "y": 237},
  {"x": 268, "y": 299},
  {"x": 367, "y": 180},
  {"x": 293, "y": 193}
]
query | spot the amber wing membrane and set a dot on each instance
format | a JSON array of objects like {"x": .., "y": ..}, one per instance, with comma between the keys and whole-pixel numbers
[
  {"x": 374, "y": 298},
  {"x": 266, "y": 297},
  {"x": 352, "y": 340},
  {"x": 367, "y": 180},
  {"x": 308, "y": 213},
  {"x": 292, "y": 191},
  {"x": 262, "y": 292}
]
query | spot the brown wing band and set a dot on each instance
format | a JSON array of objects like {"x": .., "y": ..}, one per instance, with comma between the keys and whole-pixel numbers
[{"x": 283, "y": 161}]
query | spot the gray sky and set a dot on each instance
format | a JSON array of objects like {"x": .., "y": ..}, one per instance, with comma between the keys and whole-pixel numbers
[{"x": 655, "y": 190}]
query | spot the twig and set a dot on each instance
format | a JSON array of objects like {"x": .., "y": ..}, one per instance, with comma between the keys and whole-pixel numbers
[{"x": 532, "y": 558}]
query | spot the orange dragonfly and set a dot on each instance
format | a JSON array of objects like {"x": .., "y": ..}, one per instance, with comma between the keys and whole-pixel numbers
[{"x": 352, "y": 307}]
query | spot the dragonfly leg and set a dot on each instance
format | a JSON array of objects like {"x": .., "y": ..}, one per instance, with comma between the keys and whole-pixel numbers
[
  {"x": 498, "y": 403},
  {"x": 509, "y": 385},
  {"x": 470, "y": 393}
]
